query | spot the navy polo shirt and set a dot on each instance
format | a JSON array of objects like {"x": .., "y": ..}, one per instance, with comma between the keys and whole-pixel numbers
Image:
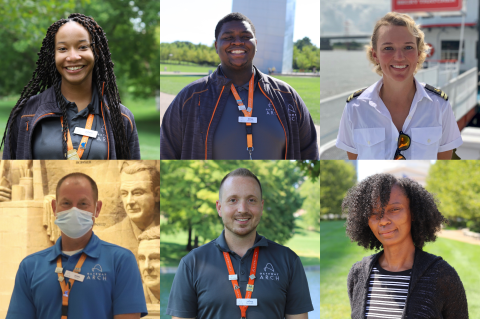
[
  {"x": 112, "y": 284},
  {"x": 201, "y": 287},
  {"x": 268, "y": 136}
]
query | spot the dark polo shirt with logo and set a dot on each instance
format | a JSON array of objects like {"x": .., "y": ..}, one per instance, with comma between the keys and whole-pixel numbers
[
  {"x": 201, "y": 287},
  {"x": 230, "y": 139}
]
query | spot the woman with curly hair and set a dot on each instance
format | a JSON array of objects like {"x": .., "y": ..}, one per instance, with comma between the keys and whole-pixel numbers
[
  {"x": 398, "y": 117},
  {"x": 400, "y": 281},
  {"x": 71, "y": 107}
]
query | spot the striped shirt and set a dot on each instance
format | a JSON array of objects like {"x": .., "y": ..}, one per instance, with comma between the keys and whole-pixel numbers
[{"x": 387, "y": 292}]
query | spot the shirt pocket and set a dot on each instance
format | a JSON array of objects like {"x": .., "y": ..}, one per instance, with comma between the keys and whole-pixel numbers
[
  {"x": 370, "y": 142},
  {"x": 425, "y": 142}
]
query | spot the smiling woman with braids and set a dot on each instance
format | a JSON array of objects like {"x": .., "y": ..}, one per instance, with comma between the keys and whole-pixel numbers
[
  {"x": 401, "y": 281},
  {"x": 71, "y": 106}
]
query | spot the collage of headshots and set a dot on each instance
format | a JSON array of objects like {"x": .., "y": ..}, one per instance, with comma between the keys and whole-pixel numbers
[{"x": 160, "y": 159}]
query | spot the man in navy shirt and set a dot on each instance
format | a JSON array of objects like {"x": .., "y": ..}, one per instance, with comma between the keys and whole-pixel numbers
[
  {"x": 81, "y": 276},
  {"x": 240, "y": 268}
]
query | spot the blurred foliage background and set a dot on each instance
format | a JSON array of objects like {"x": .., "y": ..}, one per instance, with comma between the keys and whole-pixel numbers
[
  {"x": 189, "y": 190},
  {"x": 132, "y": 28}
]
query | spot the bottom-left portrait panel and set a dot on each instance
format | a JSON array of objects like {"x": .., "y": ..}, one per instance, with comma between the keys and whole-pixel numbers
[{"x": 79, "y": 239}]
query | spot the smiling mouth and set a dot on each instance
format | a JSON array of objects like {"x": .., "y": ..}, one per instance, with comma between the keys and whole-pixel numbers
[
  {"x": 242, "y": 220},
  {"x": 388, "y": 233},
  {"x": 400, "y": 67},
  {"x": 73, "y": 69}
]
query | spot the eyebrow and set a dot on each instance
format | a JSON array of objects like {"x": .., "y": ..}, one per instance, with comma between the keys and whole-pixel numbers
[
  {"x": 392, "y": 43},
  {"x": 66, "y": 42},
  {"x": 229, "y": 32}
]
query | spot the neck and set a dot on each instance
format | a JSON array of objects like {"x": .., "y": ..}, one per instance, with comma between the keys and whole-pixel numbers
[
  {"x": 398, "y": 94},
  {"x": 71, "y": 244},
  {"x": 81, "y": 94},
  {"x": 238, "y": 77},
  {"x": 240, "y": 244},
  {"x": 141, "y": 225},
  {"x": 398, "y": 257}
]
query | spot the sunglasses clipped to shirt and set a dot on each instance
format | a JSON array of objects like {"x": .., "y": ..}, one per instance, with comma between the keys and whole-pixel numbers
[{"x": 404, "y": 142}]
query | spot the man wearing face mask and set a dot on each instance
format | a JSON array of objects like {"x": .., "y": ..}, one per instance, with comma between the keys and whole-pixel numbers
[{"x": 80, "y": 276}]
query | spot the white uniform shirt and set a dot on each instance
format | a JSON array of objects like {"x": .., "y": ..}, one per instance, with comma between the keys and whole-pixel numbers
[{"x": 367, "y": 129}]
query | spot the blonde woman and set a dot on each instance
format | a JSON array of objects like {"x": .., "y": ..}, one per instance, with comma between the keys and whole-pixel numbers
[{"x": 398, "y": 117}]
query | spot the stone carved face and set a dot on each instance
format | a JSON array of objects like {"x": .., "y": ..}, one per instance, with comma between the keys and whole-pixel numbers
[
  {"x": 138, "y": 197},
  {"x": 149, "y": 264}
]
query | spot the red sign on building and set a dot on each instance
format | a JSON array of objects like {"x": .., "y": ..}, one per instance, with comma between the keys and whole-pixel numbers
[{"x": 426, "y": 5}]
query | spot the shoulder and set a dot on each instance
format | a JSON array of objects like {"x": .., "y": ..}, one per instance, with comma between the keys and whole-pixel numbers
[
  {"x": 115, "y": 250},
  {"x": 435, "y": 92},
  {"x": 277, "y": 84},
  {"x": 197, "y": 86},
  {"x": 31, "y": 260},
  {"x": 277, "y": 249},
  {"x": 34, "y": 102},
  {"x": 202, "y": 252},
  {"x": 355, "y": 94}
]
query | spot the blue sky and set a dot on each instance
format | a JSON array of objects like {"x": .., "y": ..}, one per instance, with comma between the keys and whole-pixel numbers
[{"x": 195, "y": 20}]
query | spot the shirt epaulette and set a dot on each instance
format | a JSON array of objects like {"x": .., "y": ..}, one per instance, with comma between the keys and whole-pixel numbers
[
  {"x": 437, "y": 91},
  {"x": 355, "y": 94}
]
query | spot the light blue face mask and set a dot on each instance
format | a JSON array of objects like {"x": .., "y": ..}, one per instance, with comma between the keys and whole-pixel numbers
[{"x": 74, "y": 222}]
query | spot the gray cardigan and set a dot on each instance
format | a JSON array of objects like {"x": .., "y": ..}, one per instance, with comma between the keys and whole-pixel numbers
[{"x": 435, "y": 289}]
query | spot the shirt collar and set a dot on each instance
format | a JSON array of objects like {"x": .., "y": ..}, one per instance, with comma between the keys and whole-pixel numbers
[
  {"x": 93, "y": 107},
  {"x": 244, "y": 86},
  {"x": 222, "y": 244},
  {"x": 92, "y": 249}
]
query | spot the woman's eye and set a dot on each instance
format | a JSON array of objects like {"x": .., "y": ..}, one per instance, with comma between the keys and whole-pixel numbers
[
  {"x": 62, "y": 49},
  {"x": 409, "y": 47},
  {"x": 388, "y": 48}
]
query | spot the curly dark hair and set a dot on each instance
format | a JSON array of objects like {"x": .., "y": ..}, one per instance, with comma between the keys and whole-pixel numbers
[
  {"x": 46, "y": 75},
  {"x": 375, "y": 190},
  {"x": 234, "y": 16}
]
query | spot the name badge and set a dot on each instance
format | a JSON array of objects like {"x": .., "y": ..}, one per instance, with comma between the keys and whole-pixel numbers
[
  {"x": 246, "y": 302},
  {"x": 74, "y": 275},
  {"x": 84, "y": 131},
  {"x": 232, "y": 277},
  {"x": 246, "y": 119}
]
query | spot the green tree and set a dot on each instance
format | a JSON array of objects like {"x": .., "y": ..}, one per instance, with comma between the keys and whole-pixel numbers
[
  {"x": 336, "y": 178},
  {"x": 456, "y": 185},
  {"x": 189, "y": 190},
  {"x": 310, "y": 191}
]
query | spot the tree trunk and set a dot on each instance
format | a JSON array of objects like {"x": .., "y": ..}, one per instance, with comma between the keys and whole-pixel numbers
[
  {"x": 189, "y": 244},
  {"x": 195, "y": 242}
]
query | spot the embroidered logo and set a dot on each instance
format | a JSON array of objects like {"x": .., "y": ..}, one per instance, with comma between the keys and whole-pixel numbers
[
  {"x": 270, "y": 109},
  {"x": 269, "y": 273},
  {"x": 291, "y": 113},
  {"x": 97, "y": 268},
  {"x": 97, "y": 274}
]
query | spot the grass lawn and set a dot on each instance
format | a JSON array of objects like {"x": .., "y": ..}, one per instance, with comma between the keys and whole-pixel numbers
[
  {"x": 338, "y": 256},
  {"x": 307, "y": 88},
  {"x": 186, "y": 68},
  {"x": 147, "y": 119},
  {"x": 304, "y": 243}
]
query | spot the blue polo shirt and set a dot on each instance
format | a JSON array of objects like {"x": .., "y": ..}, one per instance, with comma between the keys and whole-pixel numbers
[
  {"x": 201, "y": 287},
  {"x": 112, "y": 284}
]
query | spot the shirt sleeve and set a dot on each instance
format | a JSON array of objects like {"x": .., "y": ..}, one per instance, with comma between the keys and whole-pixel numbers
[
  {"x": 345, "y": 133},
  {"x": 128, "y": 296},
  {"x": 308, "y": 132},
  {"x": 171, "y": 131},
  {"x": 451, "y": 137},
  {"x": 298, "y": 294},
  {"x": 21, "y": 304},
  {"x": 183, "y": 297},
  {"x": 452, "y": 294},
  {"x": 133, "y": 144}
]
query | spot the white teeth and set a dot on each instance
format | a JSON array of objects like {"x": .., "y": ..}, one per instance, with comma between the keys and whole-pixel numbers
[
  {"x": 399, "y": 66},
  {"x": 238, "y": 51},
  {"x": 75, "y": 68},
  {"x": 242, "y": 220}
]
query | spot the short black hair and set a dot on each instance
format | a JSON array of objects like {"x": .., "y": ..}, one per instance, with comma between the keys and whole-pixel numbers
[
  {"x": 375, "y": 190},
  {"x": 243, "y": 172},
  {"x": 78, "y": 174},
  {"x": 234, "y": 16}
]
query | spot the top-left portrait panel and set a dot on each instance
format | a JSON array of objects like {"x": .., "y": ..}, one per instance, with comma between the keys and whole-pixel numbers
[{"x": 80, "y": 80}]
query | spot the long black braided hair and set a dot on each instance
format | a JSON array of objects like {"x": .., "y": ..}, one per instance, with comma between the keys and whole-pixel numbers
[{"x": 46, "y": 75}]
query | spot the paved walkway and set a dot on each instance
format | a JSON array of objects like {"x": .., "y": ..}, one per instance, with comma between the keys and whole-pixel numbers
[
  {"x": 166, "y": 99},
  {"x": 458, "y": 235}
]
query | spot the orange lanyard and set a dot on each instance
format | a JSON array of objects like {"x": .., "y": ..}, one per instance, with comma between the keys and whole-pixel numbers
[
  {"x": 72, "y": 153},
  {"x": 247, "y": 112},
  {"x": 66, "y": 288},
  {"x": 251, "y": 279}
]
